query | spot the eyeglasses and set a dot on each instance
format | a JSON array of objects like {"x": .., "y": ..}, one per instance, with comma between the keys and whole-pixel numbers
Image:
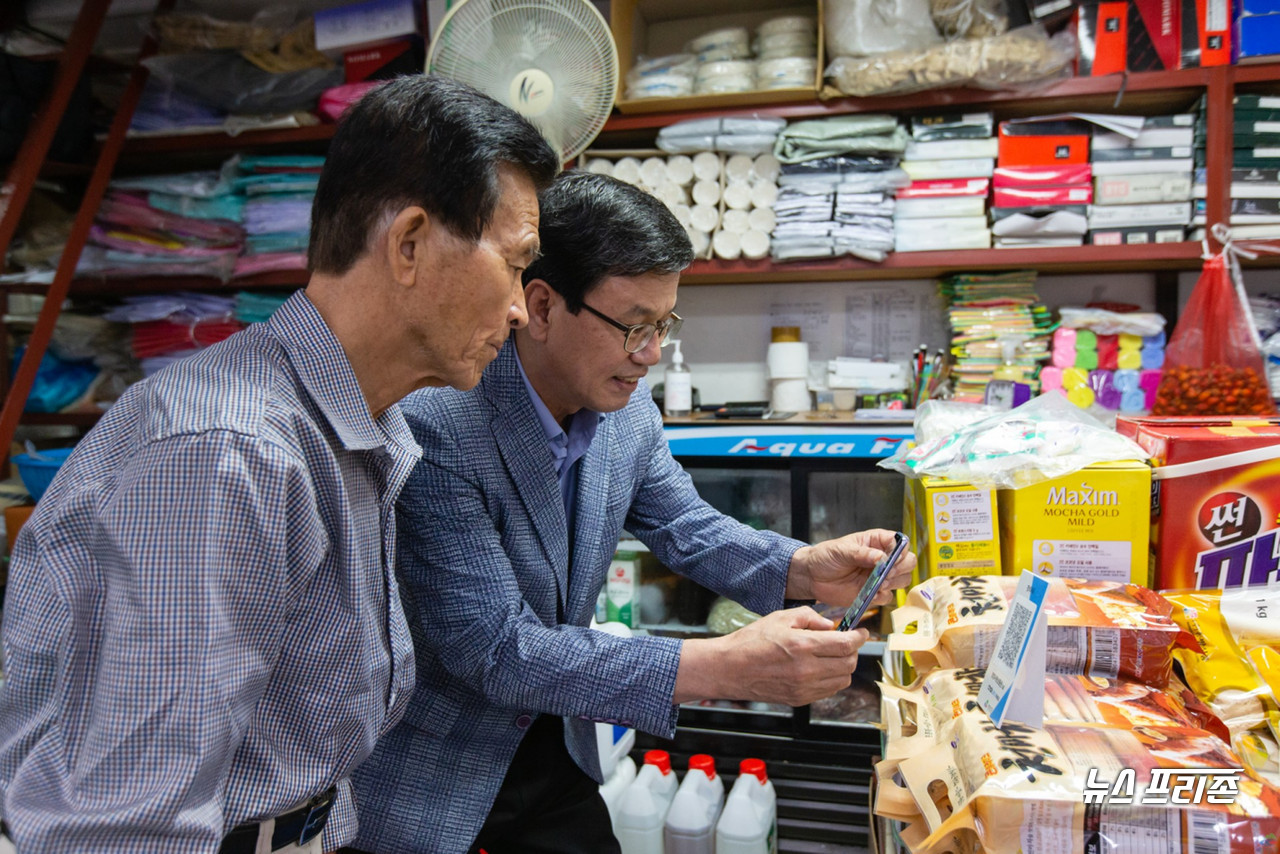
[{"x": 639, "y": 336}]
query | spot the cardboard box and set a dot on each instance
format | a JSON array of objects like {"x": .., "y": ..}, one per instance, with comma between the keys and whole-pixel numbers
[
  {"x": 651, "y": 28},
  {"x": 1137, "y": 35},
  {"x": 1257, "y": 37},
  {"x": 1048, "y": 143},
  {"x": 1206, "y": 33},
  {"x": 1215, "y": 502},
  {"x": 360, "y": 25},
  {"x": 952, "y": 526},
  {"x": 1091, "y": 524}
]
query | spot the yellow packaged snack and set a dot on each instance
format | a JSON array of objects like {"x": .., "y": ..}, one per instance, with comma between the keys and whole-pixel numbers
[{"x": 1238, "y": 672}]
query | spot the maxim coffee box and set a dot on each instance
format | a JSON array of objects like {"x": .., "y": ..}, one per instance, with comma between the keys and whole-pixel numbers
[
  {"x": 1091, "y": 524},
  {"x": 1215, "y": 499}
]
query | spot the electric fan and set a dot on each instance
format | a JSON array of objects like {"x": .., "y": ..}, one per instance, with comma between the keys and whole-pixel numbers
[{"x": 553, "y": 61}]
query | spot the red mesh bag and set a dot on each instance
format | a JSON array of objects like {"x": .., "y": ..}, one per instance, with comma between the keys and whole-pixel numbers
[{"x": 1213, "y": 364}]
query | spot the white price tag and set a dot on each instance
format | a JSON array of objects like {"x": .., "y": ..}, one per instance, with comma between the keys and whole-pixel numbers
[{"x": 1013, "y": 687}]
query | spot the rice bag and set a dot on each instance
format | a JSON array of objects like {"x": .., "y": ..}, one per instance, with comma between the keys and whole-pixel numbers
[
  {"x": 1020, "y": 790},
  {"x": 1095, "y": 628}
]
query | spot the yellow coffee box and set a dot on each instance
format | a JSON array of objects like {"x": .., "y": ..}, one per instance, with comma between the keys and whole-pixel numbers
[
  {"x": 1092, "y": 524},
  {"x": 952, "y": 526}
]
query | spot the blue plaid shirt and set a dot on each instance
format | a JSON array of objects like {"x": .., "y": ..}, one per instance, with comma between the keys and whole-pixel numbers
[{"x": 202, "y": 625}]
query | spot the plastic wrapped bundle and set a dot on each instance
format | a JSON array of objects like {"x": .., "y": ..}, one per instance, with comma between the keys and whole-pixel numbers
[{"x": 1019, "y": 57}]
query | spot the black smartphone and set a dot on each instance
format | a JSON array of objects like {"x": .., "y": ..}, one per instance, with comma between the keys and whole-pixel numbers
[{"x": 873, "y": 583}]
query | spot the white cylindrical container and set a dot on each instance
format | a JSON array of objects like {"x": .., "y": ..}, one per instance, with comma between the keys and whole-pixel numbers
[
  {"x": 726, "y": 245},
  {"x": 767, "y": 168},
  {"x": 653, "y": 171},
  {"x": 764, "y": 194},
  {"x": 736, "y": 221},
  {"x": 762, "y": 219},
  {"x": 737, "y": 195},
  {"x": 671, "y": 194},
  {"x": 749, "y": 823},
  {"x": 627, "y": 169},
  {"x": 701, "y": 241},
  {"x": 788, "y": 360},
  {"x": 600, "y": 166},
  {"x": 706, "y": 166},
  {"x": 790, "y": 395},
  {"x": 682, "y": 215},
  {"x": 677, "y": 398},
  {"x": 704, "y": 218},
  {"x": 624, "y": 774},
  {"x": 755, "y": 244},
  {"x": 706, "y": 193},
  {"x": 642, "y": 810},
  {"x": 680, "y": 169},
  {"x": 695, "y": 810},
  {"x": 738, "y": 168}
]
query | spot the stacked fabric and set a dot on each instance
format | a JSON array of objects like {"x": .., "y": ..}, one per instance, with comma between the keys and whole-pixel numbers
[
  {"x": 1043, "y": 182},
  {"x": 131, "y": 237},
  {"x": 1255, "y": 170},
  {"x": 277, "y": 191},
  {"x": 950, "y": 158},
  {"x": 836, "y": 189},
  {"x": 169, "y": 327},
  {"x": 258, "y": 306},
  {"x": 1142, "y": 180},
  {"x": 987, "y": 313}
]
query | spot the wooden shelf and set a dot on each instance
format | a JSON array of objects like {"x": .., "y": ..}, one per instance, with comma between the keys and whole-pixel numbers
[
  {"x": 185, "y": 142},
  {"x": 927, "y": 265},
  {"x": 1155, "y": 90}
]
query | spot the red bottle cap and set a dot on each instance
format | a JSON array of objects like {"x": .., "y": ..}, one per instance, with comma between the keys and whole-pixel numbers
[
  {"x": 660, "y": 759},
  {"x": 754, "y": 767},
  {"x": 703, "y": 762}
]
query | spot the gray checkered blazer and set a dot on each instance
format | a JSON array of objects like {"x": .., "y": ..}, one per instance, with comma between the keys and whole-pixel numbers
[{"x": 498, "y": 611}]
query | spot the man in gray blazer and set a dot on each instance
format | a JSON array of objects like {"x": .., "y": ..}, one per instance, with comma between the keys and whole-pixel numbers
[{"x": 508, "y": 526}]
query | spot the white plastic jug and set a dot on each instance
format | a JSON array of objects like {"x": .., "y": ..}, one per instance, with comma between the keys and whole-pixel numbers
[
  {"x": 642, "y": 812},
  {"x": 749, "y": 823},
  {"x": 691, "y": 821},
  {"x": 624, "y": 773}
]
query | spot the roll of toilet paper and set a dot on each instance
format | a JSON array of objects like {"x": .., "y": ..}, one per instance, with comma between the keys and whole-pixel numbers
[
  {"x": 788, "y": 360},
  {"x": 738, "y": 168},
  {"x": 764, "y": 194},
  {"x": 627, "y": 169},
  {"x": 600, "y": 166},
  {"x": 735, "y": 221},
  {"x": 762, "y": 219},
  {"x": 755, "y": 244},
  {"x": 706, "y": 166},
  {"x": 766, "y": 167},
  {"x": 680, "y": 169},
  {"x": 726, "y": 245},
  {"x": 706, "y": 193},
  {"x": 737, "y": 195},
  {"x": 789, "y": 395},
  {"x": 704, "y": 218},
  {"x": 653, "y": 171}
]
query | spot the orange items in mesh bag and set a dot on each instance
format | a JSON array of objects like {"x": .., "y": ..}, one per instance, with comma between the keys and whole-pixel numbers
[
  {"x": 1096, "y": 628},
  {"x": 1213, "y": 364}
]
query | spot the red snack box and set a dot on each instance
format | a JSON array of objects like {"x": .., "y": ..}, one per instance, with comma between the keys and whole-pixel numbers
[
  {"x": 1022, "y": 197},
  {"x": 1215, "y": 499},
  {"x": 1042, "y": 176},
  {"x": 944, "y": 187}
]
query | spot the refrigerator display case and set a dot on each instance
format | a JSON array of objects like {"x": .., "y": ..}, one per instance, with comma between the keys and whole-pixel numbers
[{"x": 812, "y": 483}]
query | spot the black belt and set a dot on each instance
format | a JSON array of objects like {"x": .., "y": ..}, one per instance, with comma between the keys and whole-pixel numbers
[{"x": 293, "y": 828}]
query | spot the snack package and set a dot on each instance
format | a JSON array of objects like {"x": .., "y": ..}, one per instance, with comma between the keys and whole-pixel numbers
[
  {"x": 1095, "y": 628},
  {"x": 1019, "y": 790},
  {"x": 915, "y": 715},
  {"x": 1237, "y": 672}
]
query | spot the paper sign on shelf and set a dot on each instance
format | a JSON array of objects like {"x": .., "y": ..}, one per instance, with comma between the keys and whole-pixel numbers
[{"x": 1013, "y": 688}]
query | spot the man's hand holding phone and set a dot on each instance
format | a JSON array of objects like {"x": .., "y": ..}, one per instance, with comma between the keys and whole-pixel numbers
[{"x": 834, "y": 571}]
